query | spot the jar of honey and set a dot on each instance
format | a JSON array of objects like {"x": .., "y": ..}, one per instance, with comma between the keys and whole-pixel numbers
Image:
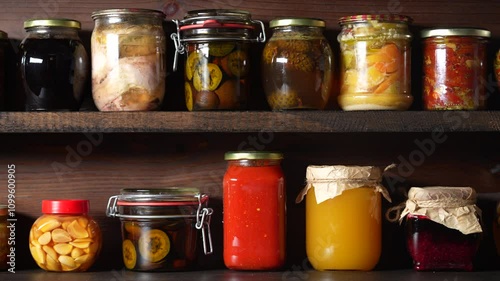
[
  {"x": 217, "y": 45},
  {"x": 53, "y": 66},
  {"x": 128, "y": 59},
  {"x": 65, "y": 237},
  {"x": 4, "y": 236},
  {"x": 443, "y": 227},
  {"x": 455, "y": 68},
  {"x": 343, "y": 216},
  {"x": 297, "y": 65},
  {"x": 160, "y": 226},
  {"x": 375, "y": 62},
  {"x": 254, "y": 199}
]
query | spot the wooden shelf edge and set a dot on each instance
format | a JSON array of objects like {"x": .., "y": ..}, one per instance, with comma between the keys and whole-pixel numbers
[{"x": 250, "y": 121}]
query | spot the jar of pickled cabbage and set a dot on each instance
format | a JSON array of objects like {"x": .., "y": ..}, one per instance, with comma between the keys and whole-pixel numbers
[
  {"x": 217, "y": 45},
  {"x": 343, "y": 216},
  {"x": 297, "y": 65},
  {"x": 375, "y": 62},
  {"x": 128, "y": 60},
  {"x": 160, "y": 227},
  {"x": 65, "y": 237}
]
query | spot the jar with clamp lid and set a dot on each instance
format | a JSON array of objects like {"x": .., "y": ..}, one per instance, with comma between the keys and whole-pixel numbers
[
  {"x": 160, "y": 227},
  {"x": 217, "y": 45}
]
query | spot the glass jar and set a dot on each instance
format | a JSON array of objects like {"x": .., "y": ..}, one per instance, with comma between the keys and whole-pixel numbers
[
  {"x": 297, "y": 65},
  {"x": 454, "y": 68},
  {"x": 65, "y": 237},
  {"x": 128, "y": 60},
  {"x": 217, "y": 69},
  {"x": 4, "y": 44},
  {"x": 496, "y": 229},
  {"x": 443, "y": 228},
  {"x": 4, "y": 236},
  {"x": 53, "y": 66},
  {"x": 160, "y": 227},
  {"x": 254, "y": 198},
  {"x": 375, "y": 62},
  {"x": 343, "y": 216}
]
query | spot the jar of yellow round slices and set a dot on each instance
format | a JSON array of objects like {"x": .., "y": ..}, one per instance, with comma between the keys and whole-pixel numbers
[{"x": 375, "y": 62}]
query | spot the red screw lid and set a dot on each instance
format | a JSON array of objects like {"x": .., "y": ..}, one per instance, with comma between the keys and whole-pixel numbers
[{"x": 65, "y": 206}]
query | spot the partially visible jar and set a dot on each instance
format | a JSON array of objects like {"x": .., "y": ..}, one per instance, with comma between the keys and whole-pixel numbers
[
  {"x": 65, "y": 237},
  {"x": 454, "y": 68},
  {"x": 443, "y": 228},
  {"x": 297, "y": 65},
  {"x": 4, "y": 44},
  {"x": 254, "y": 200},
  {"x": 4, "y": 236},
  {"x": 128, "y": 59},
  {"x": 343, "y": 216},
  {"x": 375, "y": 62},
  {"x": 159, "y": 227},
  {"x": 496, "y": 229},
  {"x": 217, "y": 44},
  {"x": 53, "y": 66}
]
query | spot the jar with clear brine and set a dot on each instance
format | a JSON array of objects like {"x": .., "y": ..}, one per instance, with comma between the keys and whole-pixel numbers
[
  {"x": 217, "y": 45},
  {"x": 454, "y": 68},
  {"x": 375, "y": 62},
  {"x": 297, "y": 65},
  {"x": 128, "y": 60}
]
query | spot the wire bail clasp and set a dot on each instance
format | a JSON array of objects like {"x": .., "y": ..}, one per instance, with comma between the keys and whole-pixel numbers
[
  {"x": 111, "y": 207},
  {"x": 203, "y": 218}
]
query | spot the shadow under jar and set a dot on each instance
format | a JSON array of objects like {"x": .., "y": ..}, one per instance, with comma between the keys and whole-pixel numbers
[
  {"x": 297, "y": 65},
  {"x": 53, "y": 66}
]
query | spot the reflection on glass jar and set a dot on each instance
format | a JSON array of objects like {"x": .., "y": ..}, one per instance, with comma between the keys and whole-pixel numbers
[
  {"x": 128, "y": 60},
  {"x": 297, "y": 65},
  {"x": 217, "y": 68},
  {"x": 53, "y": 66},
  {"x": 454, "y": 68},
  {"x": 375, "y": 62}
]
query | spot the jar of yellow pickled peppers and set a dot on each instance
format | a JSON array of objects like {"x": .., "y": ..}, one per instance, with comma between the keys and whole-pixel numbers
[
  {"x": 343, "y": 216},
  {"x": 65, "y": 237},
  {"x": 375, "y": 62}
]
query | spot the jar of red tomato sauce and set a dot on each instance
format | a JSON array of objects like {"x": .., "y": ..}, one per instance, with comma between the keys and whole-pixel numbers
[
  {"x": 254, "y": 211},
  {"x": 454, "y": 68},
  {"x": 443, "y": 227}
]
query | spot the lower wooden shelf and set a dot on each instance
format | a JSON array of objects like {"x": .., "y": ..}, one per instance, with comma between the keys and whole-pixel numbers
[{"x": 230, "y": 275}]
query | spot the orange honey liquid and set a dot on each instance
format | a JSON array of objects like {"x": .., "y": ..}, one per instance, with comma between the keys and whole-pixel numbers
[{"x": 344, "y": 233}]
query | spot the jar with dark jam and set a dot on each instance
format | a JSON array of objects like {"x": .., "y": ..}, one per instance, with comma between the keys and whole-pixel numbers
[
  {"x": 217, "y": 68},
  {"x": 53, "y": 66},
  {"x": 455, "y": 68},
  {"x": 160, "y": 227},
  {"x": 443, "y": 228},
  {"x": 297, "y": 65}
]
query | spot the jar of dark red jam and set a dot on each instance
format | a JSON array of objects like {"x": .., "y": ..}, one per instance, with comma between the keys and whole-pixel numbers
[
  {"x": 455, "y": 68},
  {"x": 443, "y": 228},
  {"x": 254, "y": 211},
  {"x": 53, "y": 66},
  {"x": 160, "y": 227}
]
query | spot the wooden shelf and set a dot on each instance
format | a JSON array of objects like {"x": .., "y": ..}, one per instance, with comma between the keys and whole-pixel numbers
[
  {"x": 250, "y": 121},
  {"x": 220, "y": 275}
]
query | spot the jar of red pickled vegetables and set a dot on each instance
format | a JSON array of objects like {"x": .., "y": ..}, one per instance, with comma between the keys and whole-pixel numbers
[
  {"x": 297, "y": 65},
  {"x": 375, "y": 62},
  {"x": 443, "y": 227},
  {"x": 160, "y": 227},
  {"x": 454, "y": 68},
  {"x": 254, "y": 211},
  {"x": 65, "y": 237},
  {"x": 217, "y": 45}
]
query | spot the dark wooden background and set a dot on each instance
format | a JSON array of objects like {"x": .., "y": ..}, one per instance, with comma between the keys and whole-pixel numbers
[{"x": 196, "y": 159}]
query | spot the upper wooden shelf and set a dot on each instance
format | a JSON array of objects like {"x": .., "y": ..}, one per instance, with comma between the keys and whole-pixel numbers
[{"x": 250, "y": 121}]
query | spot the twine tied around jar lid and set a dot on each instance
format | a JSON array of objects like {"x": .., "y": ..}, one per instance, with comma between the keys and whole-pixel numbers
[
  {"x": 330, "y": 181},
  {"x": 453, "y": 207}
]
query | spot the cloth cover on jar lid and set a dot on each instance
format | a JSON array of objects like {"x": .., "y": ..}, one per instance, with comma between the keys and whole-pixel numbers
[
  {"x": 330, "y": 181},
  {"x": 453, "y": 207}
]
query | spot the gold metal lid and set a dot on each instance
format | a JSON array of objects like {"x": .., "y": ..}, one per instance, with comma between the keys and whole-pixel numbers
[
  {"x": 52, "y": 23},
  {"x": 116, "y": 12},
  {"x": 297, "y": 22},
  {"x": 3, "y": 35},
  {"x": 381, "y": 18},
  {"x": 252, "y": 155},
  {"x": 438, "y": 32}
]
